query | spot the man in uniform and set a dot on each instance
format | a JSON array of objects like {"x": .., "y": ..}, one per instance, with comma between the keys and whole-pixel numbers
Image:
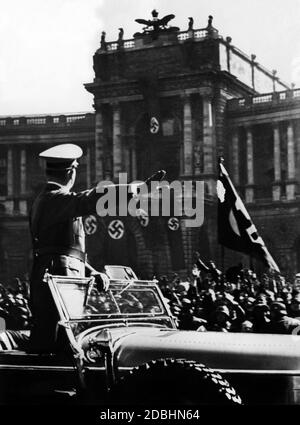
[{"x": 58, "y": 238}]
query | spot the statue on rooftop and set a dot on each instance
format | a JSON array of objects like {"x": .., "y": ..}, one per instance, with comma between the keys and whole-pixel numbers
[
  {"x": 120, "y": 37},
  {"x": 211, "y": 31},
  {"x": 121, "y": 34},
  {"x": 103, "y": 42},
  {"x": 191, "y": 24},
  {"x": 155, "y": 25}
]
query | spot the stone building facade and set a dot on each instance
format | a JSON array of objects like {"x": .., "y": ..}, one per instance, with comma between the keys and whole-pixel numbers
[
  {"x": 264, "y": 154},
  {"x": 172, "y": 100},
  {"x": 22, "y": 175}
]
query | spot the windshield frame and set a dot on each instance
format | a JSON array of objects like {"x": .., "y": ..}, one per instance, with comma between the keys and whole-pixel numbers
[{"x": 118, "y": 285}]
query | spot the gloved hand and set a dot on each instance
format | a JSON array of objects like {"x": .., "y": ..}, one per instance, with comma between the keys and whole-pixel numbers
[
  {"x": 156, "y": 177},
  {"x": 101, "y": 281}
]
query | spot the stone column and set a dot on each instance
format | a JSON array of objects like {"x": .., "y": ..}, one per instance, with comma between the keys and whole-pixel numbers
[
  {"x": 235, "y": 156},
  {"x": 9, "y": 203},
  {"x": 187, "y": 136},
  {"x": 249, "y": 194},
  {"x": 291, "y": 182},
  {"x": 99, "y": 146},
  {"x": 277, "y": 163},
  {"x": 23, "y": 202},
  {"x": 181, "y": 159},
  {"x": 207, "y": 135},
  {"x": 219, "y": 107},
  {"x": 208, "y": 143},
  {"x": 133, "y": 163},
  {"x": 10, "y": 173},
  {"x": 127, "y": 158},
  {"x": 228, "y": 52},
  {"x": 117, "y": 147},
  {"x": 23, "y": 172}
]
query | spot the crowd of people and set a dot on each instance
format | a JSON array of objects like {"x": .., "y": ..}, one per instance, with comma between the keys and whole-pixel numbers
[
  {"x": 208, "y": 300},
  {"x": 14, "y": 306},
  {"x": 234, "y": 301}
]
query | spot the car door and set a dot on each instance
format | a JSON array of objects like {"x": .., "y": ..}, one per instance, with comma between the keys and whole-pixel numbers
[{"x": 35, "y": 378}]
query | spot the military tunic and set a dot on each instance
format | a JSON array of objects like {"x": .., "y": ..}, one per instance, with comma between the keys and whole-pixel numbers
[{"x": 58, "y": 241}]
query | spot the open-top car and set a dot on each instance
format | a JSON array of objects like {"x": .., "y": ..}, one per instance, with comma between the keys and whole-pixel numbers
[{"x": 123, "y": 346}]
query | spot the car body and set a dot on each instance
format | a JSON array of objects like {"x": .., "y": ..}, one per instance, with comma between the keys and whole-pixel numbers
[{"x": 119, "y": 342}]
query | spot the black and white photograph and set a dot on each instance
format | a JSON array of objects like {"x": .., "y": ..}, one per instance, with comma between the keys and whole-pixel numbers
[{"x": 149, "y": 207}]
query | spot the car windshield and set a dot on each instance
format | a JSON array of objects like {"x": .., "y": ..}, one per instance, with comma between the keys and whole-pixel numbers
[{"x": 81, "y": 299}]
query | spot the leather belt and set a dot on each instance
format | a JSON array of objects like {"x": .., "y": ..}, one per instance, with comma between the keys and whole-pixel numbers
[{"x": 60, "y": 250}]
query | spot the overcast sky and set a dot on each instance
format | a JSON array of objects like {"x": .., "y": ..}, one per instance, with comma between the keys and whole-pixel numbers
[{"x": 46, "y": 46}]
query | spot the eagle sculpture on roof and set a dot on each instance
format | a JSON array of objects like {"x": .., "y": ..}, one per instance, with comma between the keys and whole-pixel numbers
[{"x": 156, "y": 23}]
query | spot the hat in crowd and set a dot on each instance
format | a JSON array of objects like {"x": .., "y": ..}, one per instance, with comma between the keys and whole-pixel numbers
[
  {"x": 261, "y": 306},
  {"x": 62, "y": 157},
  {"x": 185, "y": 285},
  {"x": 223, "y": 309},
  {"x": 279, "y": 308},
  {"x": 186, "y": 302},
  {"x": 279, "y": 300},
  {"x": 247, "y": 326},
  {"x": 251, "y": 300},
  {"x": 182, "y": 287},
  {"x": 261, "y": 299}
]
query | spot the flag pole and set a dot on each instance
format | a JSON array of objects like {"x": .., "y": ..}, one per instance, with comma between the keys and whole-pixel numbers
[{"x": 220, "y": 161}]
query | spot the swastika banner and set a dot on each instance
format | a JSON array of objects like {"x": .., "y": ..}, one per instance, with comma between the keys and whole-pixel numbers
[
  {"x": 90, "y": 225},
  {"x": 174, "y": 234},
  {"x": 116, "y": 229},
  {"x": 236, "y": 230}
]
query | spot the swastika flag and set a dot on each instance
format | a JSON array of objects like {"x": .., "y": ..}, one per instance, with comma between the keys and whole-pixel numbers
[{"x": 236, "y": 230}]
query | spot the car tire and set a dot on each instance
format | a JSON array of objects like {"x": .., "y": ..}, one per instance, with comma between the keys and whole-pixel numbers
[{"x": 173, "y": 381}]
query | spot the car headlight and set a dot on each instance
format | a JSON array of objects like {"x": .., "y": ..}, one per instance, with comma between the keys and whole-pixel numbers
[
  {"x": 92, "y": 352},
  {"x": 93, "y": 355}
]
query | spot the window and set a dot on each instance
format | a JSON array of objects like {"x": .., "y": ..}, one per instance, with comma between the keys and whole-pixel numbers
[
  {"x": 36, "y": 121},
  {"x": 75, "y": 118}
]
